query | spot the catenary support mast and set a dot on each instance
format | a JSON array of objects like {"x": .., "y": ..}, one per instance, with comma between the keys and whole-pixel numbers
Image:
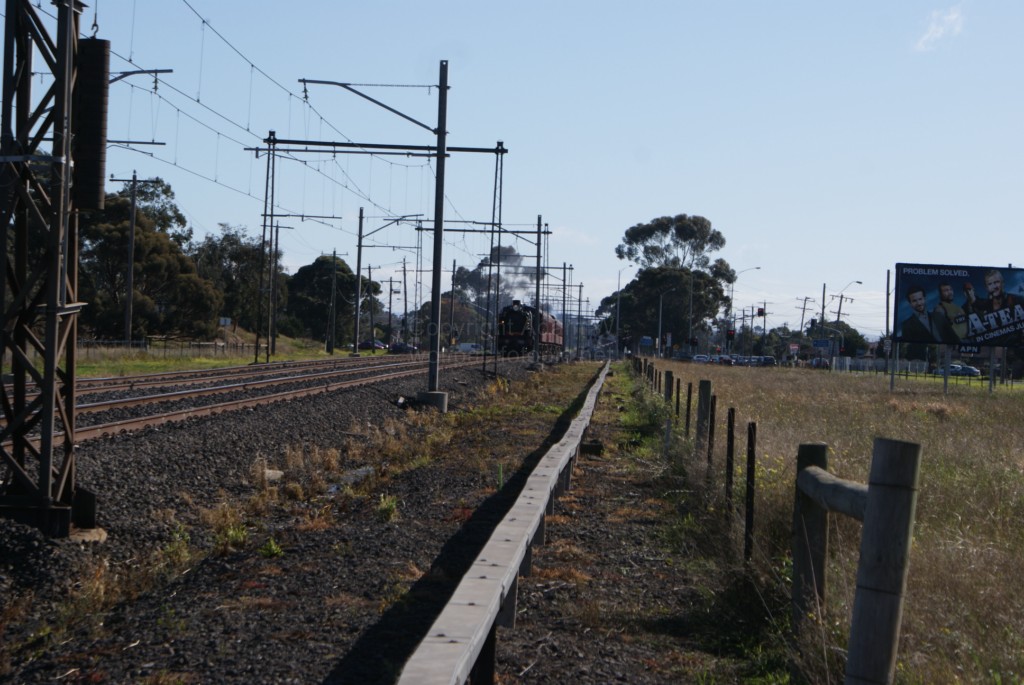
[{"x": 38, "y": 290}]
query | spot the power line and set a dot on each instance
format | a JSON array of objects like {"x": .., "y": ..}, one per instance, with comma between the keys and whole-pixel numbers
[
  {"x": 247, "y": 127},
  {"x": 223, "y": 122}
]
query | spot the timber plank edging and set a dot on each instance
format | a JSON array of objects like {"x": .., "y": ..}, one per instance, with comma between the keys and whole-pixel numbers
[{"x": 454, "y": 643}]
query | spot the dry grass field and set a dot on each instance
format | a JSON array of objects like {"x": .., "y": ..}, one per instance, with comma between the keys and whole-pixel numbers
[{"x": 964, "y": 612}]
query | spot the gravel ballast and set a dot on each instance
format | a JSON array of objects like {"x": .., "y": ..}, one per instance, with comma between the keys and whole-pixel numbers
[{"x": 350, "y": 594}]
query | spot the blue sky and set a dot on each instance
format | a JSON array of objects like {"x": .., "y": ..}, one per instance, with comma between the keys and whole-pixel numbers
[{"x": 827, "y": 141}]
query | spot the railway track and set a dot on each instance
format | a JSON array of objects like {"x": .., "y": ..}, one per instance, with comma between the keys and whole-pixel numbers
[
  {"x": 88, "y": 386},
  {"x": 220, "y": 384},
  {"x": 187, "y": 395}
]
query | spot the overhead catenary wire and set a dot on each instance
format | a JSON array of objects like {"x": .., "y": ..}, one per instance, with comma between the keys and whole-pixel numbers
[
  {"x": 253, "y": 68},
  {"x": 199, "y": 110}
]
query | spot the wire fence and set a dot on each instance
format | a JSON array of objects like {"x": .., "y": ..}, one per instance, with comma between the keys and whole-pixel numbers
[{"x": 165, "y": 349}]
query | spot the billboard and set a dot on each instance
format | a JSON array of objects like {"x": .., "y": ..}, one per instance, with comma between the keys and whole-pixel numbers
[{"x": 978, "y": 306}]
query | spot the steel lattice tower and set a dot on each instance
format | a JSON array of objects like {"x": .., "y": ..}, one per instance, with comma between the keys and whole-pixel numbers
[{"x": 48, "y": 164}]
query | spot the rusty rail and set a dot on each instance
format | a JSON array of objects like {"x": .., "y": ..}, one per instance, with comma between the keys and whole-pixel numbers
[{"x": 129, "y": 425}]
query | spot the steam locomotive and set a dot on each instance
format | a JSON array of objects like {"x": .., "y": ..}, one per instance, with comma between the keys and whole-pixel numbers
[{"x": 516, "y": 333}]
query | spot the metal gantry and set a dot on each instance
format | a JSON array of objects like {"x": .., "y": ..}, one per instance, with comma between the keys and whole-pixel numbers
[
  {"x": 439, "y": 153},
  {"x": 42, "y": 189}
]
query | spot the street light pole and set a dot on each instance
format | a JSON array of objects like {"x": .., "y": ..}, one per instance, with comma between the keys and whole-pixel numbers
[
  {"x": 661, "y": 298},
  {"x": 839, "y": 312},
  {"x": 618, "y": 311},
  {"x": 689, "y": 322},
  {"x": 732, "y": 291}
]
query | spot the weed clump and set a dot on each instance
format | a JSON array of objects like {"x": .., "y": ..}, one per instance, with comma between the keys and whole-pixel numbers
[
  {"x": 387, "y": 508},
  {"x": 271, "y": 549}
]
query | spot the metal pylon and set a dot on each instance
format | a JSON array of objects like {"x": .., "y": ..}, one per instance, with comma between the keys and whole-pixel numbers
[{"x": 39, "y": 246}]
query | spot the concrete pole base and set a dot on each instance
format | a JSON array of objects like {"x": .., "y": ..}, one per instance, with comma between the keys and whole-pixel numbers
[
  {"x": 84, "y": 535},
  {"x": 436, "y": 399}
]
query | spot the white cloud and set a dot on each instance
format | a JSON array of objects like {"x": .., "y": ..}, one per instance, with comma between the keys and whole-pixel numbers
[{"x": 942, "y": 24}]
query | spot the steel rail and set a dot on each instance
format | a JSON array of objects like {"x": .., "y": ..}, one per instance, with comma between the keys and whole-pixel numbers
[
  {"x": 94, "y": 407},
  {"x": 140, "y": 423},
  {"x": 92, "y": 386}
]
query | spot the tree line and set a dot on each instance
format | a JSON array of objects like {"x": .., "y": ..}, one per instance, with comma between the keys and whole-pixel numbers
[
  {"x": 184, "y": 287},
  {"x": 681, "y": 290}
]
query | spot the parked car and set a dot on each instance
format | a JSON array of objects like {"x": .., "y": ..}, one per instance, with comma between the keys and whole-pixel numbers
[
  {"x": 372, "y": 345},
  {"x": 958, "y": 370},
  {"x": 768, "y": 361},
  {"x": 819, "y": 363},
  {"x": 403, "y": 348},
  {"x": 701, "y": 358}
]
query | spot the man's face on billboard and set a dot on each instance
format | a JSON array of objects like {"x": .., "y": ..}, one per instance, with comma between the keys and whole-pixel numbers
[
  {"x": 917, "y": 301},
  {"x": 994, "y": 283}
]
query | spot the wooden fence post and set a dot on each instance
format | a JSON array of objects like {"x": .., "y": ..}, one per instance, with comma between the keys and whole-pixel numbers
[
  {"x": 884, "y": 561},
  {"x": 711, "y": 430},
  {"x": 703, "y": 413},
  {"x": 810, "y": 540},
  {"x": 679, "y": 382},
  {"x": 689, "y": 405},
  {"x": 748, "y": 529},
  {"x": 730, "y": 447},
  {"x": 668, "y": 419}
]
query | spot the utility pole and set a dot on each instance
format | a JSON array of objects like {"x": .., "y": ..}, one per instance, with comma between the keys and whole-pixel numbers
[
  {"x": 417, "y": 329},
  {"x": 822, "y": 319},
  {"x": 268, "y": 220},
  {"x": 359, "y": 284},
  {"x": 451, "y": 307},
  {"x": 391, "y": 291},
  {"x": 373, "y": 332},
  {"x": 332, "y": 316},
  {"x": 129, "y": 294},
  {"x": 130, "y": 272},
  {"x": 433, "y": 394},
  {"x": 564, "y": 291},
  {"x": 579, "y": 318},
  {"x": 405, "y": 304},
  {"x": 274, "y": 289},
  {"x": 803, "y": 311},
  {"x": 839, "y": 313},
  {"x": 359, "y": 279},
  {"x": 540, "y": 316},
  {"x": 764, "y": 325},
  {"x": 439, "y": 152}
]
